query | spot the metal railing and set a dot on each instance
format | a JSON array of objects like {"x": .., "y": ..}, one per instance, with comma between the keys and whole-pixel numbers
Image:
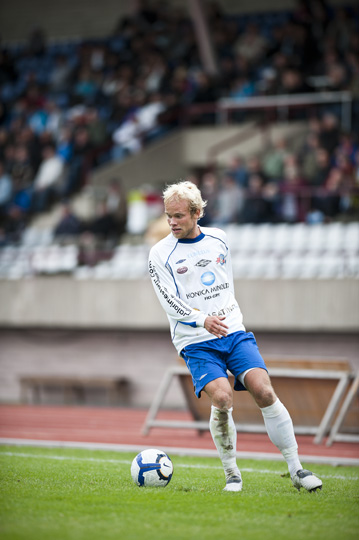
[{"x": 281, "y": 104}]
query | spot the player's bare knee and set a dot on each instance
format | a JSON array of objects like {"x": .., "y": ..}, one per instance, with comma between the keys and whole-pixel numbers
[
  {"x": 265, "y": 396},
  {"x": 222, "y": 399}
]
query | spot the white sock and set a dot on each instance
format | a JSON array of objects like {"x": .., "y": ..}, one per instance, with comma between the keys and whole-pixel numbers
[
  {"x": 224, "y": 434},
  {"x": 280, "y": 430}
]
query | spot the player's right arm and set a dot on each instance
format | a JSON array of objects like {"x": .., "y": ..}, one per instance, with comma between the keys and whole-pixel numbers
[{"x": 166, "y": 291}]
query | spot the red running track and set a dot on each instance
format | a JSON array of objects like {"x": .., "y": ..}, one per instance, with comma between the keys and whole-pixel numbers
[{"x": 124, "y": 426}]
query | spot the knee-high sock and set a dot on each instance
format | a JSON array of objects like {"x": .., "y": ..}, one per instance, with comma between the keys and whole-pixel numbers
[
  {"x": 280, "y": 430},
  {"x": 224, "y": 434}
]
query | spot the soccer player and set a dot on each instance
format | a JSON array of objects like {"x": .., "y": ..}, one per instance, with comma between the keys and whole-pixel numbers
[{"x": 192, "y": 275}]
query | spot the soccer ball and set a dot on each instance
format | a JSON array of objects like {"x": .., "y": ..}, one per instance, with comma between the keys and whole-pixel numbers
[{"x": 152, "y": 468}]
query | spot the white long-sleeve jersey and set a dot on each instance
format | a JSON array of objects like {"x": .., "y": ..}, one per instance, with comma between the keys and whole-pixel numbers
[{"x": 193, "y": 279}]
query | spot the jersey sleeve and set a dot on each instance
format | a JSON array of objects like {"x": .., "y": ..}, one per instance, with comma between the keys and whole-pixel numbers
[
  {"x": 230, "y": 269},
  {"x": 166, "y": 291}
]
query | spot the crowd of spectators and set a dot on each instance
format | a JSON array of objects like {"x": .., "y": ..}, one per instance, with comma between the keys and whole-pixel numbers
[
  {"x": 66, "y": 108},
  {"x": 315, "y": 183}
]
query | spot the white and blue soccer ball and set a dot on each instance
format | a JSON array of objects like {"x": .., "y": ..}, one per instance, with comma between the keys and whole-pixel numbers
[{"x": 152, "y": 468}]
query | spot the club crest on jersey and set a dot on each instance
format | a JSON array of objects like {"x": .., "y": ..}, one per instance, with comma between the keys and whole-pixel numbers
[
  {"x": 182, "y": 270},
  {"x": 203, "y": 262},
  {"x": 221, "y": 259},
  {"x": 208, "y": 278}
]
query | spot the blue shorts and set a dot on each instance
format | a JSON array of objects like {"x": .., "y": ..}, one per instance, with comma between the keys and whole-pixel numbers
[{"x": 211, "y": 359}]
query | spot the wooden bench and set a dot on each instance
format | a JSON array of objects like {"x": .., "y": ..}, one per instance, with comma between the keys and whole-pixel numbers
[
  {"x": 312, "y": 390},
  {"x": 75, "y": 390}
]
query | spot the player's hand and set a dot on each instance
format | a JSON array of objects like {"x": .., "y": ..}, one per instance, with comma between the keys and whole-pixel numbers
[{"x": 215, "y": 326}]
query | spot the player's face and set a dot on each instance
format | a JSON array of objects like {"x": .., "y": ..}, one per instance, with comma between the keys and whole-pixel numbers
[{"x": 183, "y": 224}]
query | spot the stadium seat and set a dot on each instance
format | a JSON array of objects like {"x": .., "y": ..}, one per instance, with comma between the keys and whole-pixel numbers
[
  {"x": 317, "y": 238},
  {"x": 298, "y": 238},
  {"x": 335, "y": 238},
  {"x": 264, "y": 238},
  {"x": 281, "y": 238},
  {"x": 330, "y": 267},
  {"x": 246, "y": 238},
  {"x": 351, "y": 238}
]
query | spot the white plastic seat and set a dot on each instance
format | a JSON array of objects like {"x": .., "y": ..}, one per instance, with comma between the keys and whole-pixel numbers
[
  {"x": 317, "y": 238},
  {"x": 310, "y": 267},
  {"x": 233, "y": 234},
  {"x": 246, "y": 238},
  {"x": 351, "y": 238},
  {"x": 291, "y": 267},
  {"x": 281, "y": 238},
  {"x": 331, "y": 267},
  {"x": 352, "y": 266},
  {"x": 299, "y": 238},
  {"x": 335, "y": 238},
  {"x": 240, "y": 265},
  {"x": 261, "y": 267},
  {"x": 264, "y": 238}
]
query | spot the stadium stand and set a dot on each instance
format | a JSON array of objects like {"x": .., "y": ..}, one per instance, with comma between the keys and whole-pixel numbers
[
  {"x": 78, "y": 95},
  {"x": 103, "y": 102}
]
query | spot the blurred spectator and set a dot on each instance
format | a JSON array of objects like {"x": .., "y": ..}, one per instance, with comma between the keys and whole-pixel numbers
[
  {"x": 69, "y": 224},
  {"x": 128, "y": 137},
  {"x": 54, "y": 118},
  {"x": 308, "y": 157},
  {"x": 329, "y": 133},
  {"x": 341, "y": 28},
  {"x": 14, "y": 225},
  {"x": 157, "y": 230},
  {"x": 86, "y": 87},
  {"x": 254, "y": 166},
  {"x": 273, "y": 161},
  {"x": 81, "y": 149},
  {"x": 356, "y": 168},
  {"x": 328, "y": 200},
  {"x": 255, "y": 209},
  {"x": 251, "y": 45},
  {"x": 22, "y": 173},
  {"x": 97, "y": 128},
  {"x": 242, "y": 87},
  {"x": 209, "y": 189},
  {"x": 323, "y": 167},
  {"x": 60, "y": 75},
  {"x": 116, "y": 204},
  {"x": 292, "y": 82},
  {"x": 5, "y": 190},
  {"x": 238, "y": 170},
  {"x": 64, "y": 143},
  {"x": 104, "y": 225},
  {"x": 229, "y": 201},
  {"x": 48, "y": 180},
  {"x": 292, "y": 209}
]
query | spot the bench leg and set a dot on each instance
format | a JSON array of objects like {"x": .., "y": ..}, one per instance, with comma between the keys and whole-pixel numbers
[
  {"x": 331, "y": 409},
  {"x": 156, "y": 403},
  {"x": 343, "y": 411}
]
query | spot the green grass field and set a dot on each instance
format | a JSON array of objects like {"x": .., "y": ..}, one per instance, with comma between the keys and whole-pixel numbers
[{"x": 61, "y": 494}]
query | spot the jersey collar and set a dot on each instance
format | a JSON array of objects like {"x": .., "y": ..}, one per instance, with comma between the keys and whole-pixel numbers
[{"x": 191, "y": 240}]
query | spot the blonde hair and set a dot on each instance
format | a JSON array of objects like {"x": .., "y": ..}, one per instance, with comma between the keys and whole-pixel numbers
[{"x": 186, "y": 191}]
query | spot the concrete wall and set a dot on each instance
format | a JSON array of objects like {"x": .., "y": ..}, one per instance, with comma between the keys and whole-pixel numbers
[
  {"x": 282, "y": 305},
  {"x": 171, "y": 158},
  {"x": 142, "y": 357},
  {"x": 90, "y": 18},
  {"x": 68, "y": 19}
]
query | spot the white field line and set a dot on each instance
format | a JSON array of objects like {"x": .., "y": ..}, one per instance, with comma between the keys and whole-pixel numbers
[
  {"x": 193, "y": 452},
  {"x": 182, "y": 465}
]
